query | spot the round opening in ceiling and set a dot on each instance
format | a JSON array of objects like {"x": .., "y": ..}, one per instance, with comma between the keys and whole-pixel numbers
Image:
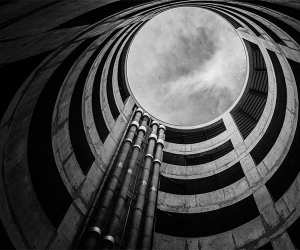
[{"x": 186, "y": 66}]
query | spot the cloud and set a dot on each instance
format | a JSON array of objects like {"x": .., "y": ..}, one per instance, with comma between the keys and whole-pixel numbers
[{"x": 186, "y": 66}]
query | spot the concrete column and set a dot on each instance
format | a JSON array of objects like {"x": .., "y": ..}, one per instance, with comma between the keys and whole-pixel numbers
[
  {"x": 94, "y": 231},
  {"x": 139, "y": 206},
  {"x": 151, "y": 206},
  {"x": 115, "y": 225}
]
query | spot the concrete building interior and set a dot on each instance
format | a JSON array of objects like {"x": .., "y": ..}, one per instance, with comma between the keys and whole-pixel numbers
[{"x": 87, "y": 164}]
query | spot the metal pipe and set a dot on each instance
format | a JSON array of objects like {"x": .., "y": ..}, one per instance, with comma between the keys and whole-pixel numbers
[
  {"x": 95, "y": 228},
  {"x": 139, "y": 206},
  {"x": 115, "y": 224},
  {"x": 151, "y": 205}
]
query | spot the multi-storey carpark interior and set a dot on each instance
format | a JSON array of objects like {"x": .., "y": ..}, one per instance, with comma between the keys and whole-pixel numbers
[{"x": 67, "y": 107}]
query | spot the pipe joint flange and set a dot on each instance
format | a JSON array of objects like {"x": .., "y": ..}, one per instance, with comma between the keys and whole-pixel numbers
[
  {"x": 157, "y": 161},
  {"x": 95, "y": 229},
  {"x": 137, "y": 146},
  {"x": 153, "y": 136},
  {"x": 143, "y": 128},
  {"x": 154, "y": 123},
  {"x": 149, "y": 155},
  {"x": 161, "y": 141},
  {"x": 139, "y": 110},
  {"x": 120, "y": 165},
  {"x": 146, "y": 115},
  {"x": 135, "y": 123},
  {"x": 162, "y": 127},
  {"x": 128, "y": 140},
  {"x": 109, "y": 238}
]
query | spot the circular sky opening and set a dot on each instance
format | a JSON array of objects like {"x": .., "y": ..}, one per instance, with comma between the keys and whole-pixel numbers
[{"x": 186, "y": 66}]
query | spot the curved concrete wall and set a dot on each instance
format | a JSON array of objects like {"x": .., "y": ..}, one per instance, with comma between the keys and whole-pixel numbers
[{"x": 230, "y": 185}]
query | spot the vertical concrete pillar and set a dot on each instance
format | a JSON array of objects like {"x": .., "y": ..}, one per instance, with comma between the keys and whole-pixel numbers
[
  {"x": 115, "y": 225},
  {"x": 151, "y": 206},
  {"x": 139, "y": 206},
  {"x": 93, "y": 233}
]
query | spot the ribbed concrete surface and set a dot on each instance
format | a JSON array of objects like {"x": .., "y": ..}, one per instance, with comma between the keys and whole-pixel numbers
[{"x": 66, "y": 106}]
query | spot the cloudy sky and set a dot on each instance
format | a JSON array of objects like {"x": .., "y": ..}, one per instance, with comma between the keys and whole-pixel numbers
[{"x": 186, "y": 66}]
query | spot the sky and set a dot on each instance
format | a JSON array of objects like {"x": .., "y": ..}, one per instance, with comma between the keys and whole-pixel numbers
[{"x": 186, "y": 66}]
